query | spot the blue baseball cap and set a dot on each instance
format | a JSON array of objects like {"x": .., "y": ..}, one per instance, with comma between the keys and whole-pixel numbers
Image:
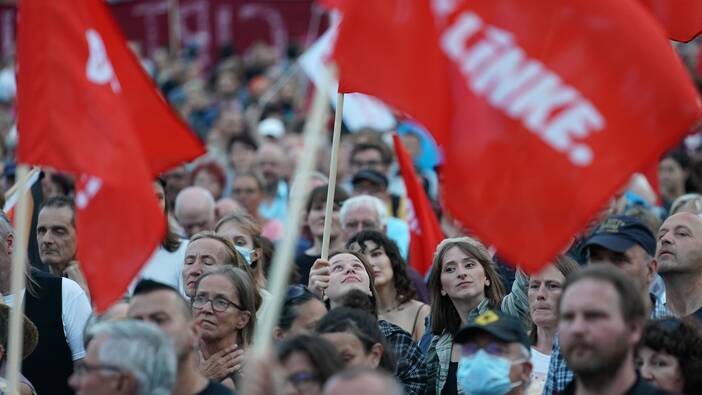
[{"x": 620, "y": 232}]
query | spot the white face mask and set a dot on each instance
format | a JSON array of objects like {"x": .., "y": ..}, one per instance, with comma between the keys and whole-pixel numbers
[{"x": 246, "y": 253}]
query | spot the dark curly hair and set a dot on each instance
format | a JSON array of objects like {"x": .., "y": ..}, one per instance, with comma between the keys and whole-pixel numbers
[
  {"x": 681, "y": 338},
  {"x": 400, "y": 279}
]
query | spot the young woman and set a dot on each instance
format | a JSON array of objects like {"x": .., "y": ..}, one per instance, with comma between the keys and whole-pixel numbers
[
  {"x": 463, "y": 284},
  {"x": 245, "y": 233},
  {"x": 396, "y": 294}
]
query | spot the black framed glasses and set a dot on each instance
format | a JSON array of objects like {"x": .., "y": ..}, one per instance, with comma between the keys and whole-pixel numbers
[
  {"x": 218, "y": 303},
  {"x": 304, "y": 381}
]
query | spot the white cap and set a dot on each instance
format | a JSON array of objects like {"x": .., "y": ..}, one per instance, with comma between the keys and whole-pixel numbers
[{"x": 271, "y": 127}]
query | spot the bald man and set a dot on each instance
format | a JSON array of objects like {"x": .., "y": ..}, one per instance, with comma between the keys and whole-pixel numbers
[
  {"x": 679, "y": 256},
  {"x": 195, "y": 210}
]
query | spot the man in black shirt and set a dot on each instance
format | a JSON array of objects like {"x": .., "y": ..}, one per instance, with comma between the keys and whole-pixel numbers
[{"x": 165, "y": 307}]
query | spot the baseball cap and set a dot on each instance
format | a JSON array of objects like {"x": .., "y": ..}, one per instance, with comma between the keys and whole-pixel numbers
[
  {"x": 503, "y": 326},
  {"x": 271, "y": 127},
  {"x": 372, "y": 176},
  {"x": 620, "y": 232}
]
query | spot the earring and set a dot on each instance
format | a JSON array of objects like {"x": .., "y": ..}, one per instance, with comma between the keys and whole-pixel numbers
[{"x": 443, "y": 293}]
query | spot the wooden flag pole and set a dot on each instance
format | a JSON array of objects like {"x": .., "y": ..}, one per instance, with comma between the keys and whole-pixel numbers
[
  {"x": 329, "y": 210},
  {"x": 284, "y": 255},
  {"x": 19, "y": 257}
]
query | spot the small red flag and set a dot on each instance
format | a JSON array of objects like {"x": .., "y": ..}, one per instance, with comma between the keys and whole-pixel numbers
[
  {"x": 425, "y": 231},
  {"x": 681, "y": 19},
  {"x": 543, "y": 108},
  {"x": 87, "y": 107}
]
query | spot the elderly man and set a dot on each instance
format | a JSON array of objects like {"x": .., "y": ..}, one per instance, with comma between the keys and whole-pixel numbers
[
  {"x": 365, "y": 212},
  {"x": 679, "y": 256},
  {"x": 56, "y": 238},
  {"x": 59, "y": 308},
  {"x": 495, "y": 356},
  {"x": 195, "y": 210},
  {"x": 162, "y": 305},
  {"x": 126, "y": 358}
]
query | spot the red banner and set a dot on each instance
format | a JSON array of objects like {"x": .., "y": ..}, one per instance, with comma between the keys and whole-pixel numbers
[
  {"x": 86, "y": 107},
  {"x": 543, "y": 108}
]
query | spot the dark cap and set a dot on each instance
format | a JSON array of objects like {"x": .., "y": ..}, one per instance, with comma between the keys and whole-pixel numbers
[
  {"x": 618, "y": 233},
  {"x": 372, "y": 176},
  {"x": 503, "y": 326}
]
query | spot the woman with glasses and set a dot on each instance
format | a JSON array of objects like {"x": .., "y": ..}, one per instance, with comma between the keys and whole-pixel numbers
[
  {"x": 307, "y": 362},
  {"x": 300, "y": 313},
  {"x": 463, "y": 284},
  {"x": 224, "y": 308},
  {"x": 396, "y": 294},
  {"x": 670, "y": 355}
]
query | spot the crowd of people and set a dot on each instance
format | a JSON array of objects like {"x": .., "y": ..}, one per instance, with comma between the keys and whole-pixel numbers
[{"x": 618, "y": 312}]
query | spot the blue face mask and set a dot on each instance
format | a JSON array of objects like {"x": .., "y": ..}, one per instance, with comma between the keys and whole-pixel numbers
[
  {"x": 484, "y": 374},
  {"x": 246, "y": 253}
]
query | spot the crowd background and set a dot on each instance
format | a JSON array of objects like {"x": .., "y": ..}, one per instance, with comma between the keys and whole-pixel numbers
[{"x": 249, "y": 107}]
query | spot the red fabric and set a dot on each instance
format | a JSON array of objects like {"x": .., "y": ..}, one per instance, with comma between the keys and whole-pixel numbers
[
  {"x": 543, "y": 108},
  {"x": 651, "y": 174},
  {"x": 681, "y": 19},
  {"x": 425, "y": 231},
  {"x": 87, "y": 107}
]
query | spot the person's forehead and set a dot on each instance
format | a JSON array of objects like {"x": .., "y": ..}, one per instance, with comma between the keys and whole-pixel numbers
[
  {"x": 367, "y": 153},
  {"x": 344, "y": 259},
  {"x": 56, "y": 215},
  {"x": 155, "y": 302},
  {"x": 362, "y": 212},
  {"x": 590, "y": 294},
  {"x": 216, "y": 284},
  {"x": 206, "y": 245},
  {"x": 687, "y": 219}
]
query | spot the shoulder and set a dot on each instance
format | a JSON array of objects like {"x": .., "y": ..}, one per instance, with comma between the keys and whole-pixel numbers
[{"x": 214, "y": 388}]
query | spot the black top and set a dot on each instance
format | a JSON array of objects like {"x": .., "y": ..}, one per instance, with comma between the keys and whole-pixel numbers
[
  {"x": 451, "y": 386},
  {"x": 215, "y": 389},
  {"x": 640, "y": 387},
  {"x": 51, "y": 363},
  {"x": 304, "y": 264}
]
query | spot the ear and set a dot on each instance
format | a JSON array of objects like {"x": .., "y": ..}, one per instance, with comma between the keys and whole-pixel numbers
[
  {"x": 127, "y": 384},
  {"x": 525, "y": 374},
  {"x": 635, "y": 332},
  {"x": 652, "y": 270},
  {"x": 244, "y": 317},
  {"x": 2, "y": 353},
  {"x": 375, "y": 355},
  {"x": 256, "y": 255},
  {"x": 278, "y": 333}
]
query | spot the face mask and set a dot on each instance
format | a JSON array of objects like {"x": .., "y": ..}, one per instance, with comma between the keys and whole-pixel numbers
[
  {"x": 485, "y": 374},
  {"x": 246, "y": 253}
]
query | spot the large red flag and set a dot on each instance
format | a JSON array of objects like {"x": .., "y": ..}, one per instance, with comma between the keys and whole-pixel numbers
[
  {"x": 543, "y": 108},
  {"x": 87, "y": 107},
  {"x": 682, "y": 19},
  {"x": 425, "y": 231}
]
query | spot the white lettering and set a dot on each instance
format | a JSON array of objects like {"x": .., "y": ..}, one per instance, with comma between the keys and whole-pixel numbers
[
  {"x": 87, "y": 188},
  {"x": 498, "y": 70},
  {"x": 98, "y": 69}
]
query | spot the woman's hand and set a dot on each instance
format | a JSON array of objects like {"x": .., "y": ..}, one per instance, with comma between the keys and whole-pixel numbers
[
  {"x": 319, "y": 277},
  {"x": 222, "y": 364}
]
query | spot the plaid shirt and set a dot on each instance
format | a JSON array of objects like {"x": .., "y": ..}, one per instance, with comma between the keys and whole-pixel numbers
[
  {"x": 410, "y": 361},
  {"x": 559, "y": 375}
]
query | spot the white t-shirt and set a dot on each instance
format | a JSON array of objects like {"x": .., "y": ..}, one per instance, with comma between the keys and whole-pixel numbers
[
  {"x": 75, "y": 311},
  {"x": 164, "y": 266},
  {"x": 539, "y": 371}
]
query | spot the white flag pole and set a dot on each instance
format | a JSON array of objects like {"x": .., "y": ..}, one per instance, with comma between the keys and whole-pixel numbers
[
  {"x": 283, "y": 258},
  {"x": 19, "y": 257},
  {"x": 329, "y": 211}
]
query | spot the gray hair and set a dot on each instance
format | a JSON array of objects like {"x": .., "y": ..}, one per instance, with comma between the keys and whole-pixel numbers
[
  {"x": 694, "y": 200},
  {"x": 141, "y": 349},
  {"x": 364, "y": 201}
]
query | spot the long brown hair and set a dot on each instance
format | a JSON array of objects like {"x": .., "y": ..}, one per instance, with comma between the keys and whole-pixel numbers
[{"x": 444, "y": 317}]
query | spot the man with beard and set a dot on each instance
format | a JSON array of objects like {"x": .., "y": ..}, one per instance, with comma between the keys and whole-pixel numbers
[
  {"x": 679, "y": 256},
  {"x": 601, "y": 318},
  {"x": 164, "y": 306}
]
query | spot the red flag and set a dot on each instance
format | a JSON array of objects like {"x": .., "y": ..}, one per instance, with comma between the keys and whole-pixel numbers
[
  {"x": 86, "y": 106},
  {"x": 425, "y": 232},
  {"x": 543, "y": 108},
  {"x": 682, "y": 19}
]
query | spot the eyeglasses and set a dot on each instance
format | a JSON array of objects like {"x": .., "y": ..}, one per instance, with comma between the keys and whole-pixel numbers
[
  {"x": 218, "y": 304},
  {"x": 496, "y": 349},
  {"x": 82, "y": 368},
  {"x": 304, "y": 381}
]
